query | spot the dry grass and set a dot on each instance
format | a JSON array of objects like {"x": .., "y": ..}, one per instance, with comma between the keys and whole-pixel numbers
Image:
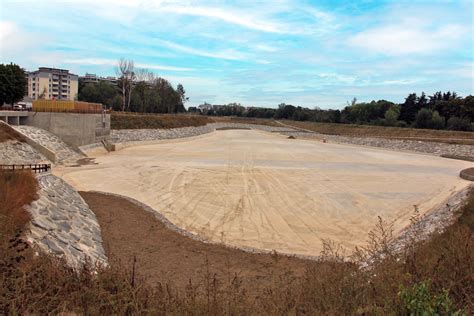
[
  {"x": 137, "y": 121},
  {"x": 451, "y": 137},
  {"x": 243, "y": 120},
  {"x": 431, "y": 277},
  {"x": 8, "y": 133},
  {"x": 16, "y": 189}
]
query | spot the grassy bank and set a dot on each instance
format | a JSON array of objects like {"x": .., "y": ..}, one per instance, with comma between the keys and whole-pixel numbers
[
  {"x": 243, "y": 120},
  {"x": 452, "y": 137},
  {"x": 137, "y": 121},
  {"x": 435, "y": 277}
]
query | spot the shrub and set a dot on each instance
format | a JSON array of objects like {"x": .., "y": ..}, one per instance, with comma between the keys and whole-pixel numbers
[
  {"x": 418, "y": 299},
  {"x": 459, "y": 124},
  {"x": 423, "y": 118}
]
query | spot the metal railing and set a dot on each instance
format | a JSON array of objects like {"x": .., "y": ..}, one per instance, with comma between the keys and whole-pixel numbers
[{"x": 36, "y": 168}]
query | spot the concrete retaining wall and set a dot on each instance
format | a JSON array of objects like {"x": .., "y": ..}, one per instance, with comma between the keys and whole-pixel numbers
[{"x": 73, "y": 128}]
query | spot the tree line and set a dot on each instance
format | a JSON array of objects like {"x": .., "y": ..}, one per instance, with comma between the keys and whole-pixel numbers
[
  {"x": 439, "y": 111},
  {"x": 137, "y": 90}
]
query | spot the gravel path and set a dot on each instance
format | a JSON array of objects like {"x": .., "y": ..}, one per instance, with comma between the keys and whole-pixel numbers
[{"x": 63, "y": 224}]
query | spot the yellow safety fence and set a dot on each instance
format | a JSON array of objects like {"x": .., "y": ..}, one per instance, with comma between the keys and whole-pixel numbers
[{"x": 66, "y": 106}]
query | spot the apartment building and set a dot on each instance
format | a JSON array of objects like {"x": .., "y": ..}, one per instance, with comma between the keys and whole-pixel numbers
[
  {"x": 52, "y": 84},
  {"x": 93, "y": 78}
]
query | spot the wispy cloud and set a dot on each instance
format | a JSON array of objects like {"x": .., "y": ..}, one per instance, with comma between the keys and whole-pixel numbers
[
  {"x": 408, "y": 38},
  {"x": 229, "y": 54},
  {"x": 112, "y": 62},
  {"x": 237, "y": 17}
]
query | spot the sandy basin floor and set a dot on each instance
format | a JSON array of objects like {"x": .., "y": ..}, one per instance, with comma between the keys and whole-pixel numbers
[{"x": 256, "y": 189}]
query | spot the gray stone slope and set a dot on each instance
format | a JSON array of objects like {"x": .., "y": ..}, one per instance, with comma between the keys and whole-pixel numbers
[
  {"x": 15, "y": 152},
  {"x": 132, "y": 135},
  {"x": 63, "y": 224},
  {"x": 52, "y": 142},
  {"x": 394, "y": 144}
]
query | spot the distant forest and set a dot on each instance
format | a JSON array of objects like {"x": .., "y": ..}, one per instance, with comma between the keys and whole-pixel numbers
[{"x": 438, "y": 111}]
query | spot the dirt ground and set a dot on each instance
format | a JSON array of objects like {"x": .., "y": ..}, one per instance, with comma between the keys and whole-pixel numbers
[
  {"x": 254, "y": 189},
  {"x": 165, "y": 255}
]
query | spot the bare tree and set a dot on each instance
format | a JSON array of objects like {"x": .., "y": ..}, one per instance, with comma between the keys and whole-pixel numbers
[{"x": 125, "y": 72}]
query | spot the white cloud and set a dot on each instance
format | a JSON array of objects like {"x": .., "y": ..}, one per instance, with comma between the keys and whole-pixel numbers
[
  {"x": 15, "y": 41},
  {"x": 407, "y": 38},
  {"x": 266, "y": 48},
  {"x": 229, "y": 16},
  {"x": 228, "y": 54},
  {"x": 113, "y": 62}
]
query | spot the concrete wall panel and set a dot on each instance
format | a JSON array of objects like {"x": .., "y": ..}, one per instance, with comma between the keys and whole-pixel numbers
[{"x": 73, "y": 128}]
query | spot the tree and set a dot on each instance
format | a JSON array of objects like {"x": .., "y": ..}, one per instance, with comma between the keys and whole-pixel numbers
[
  {"x": 13, "y": 84},
  {"x": 391, "y": 115},
  {"x": 409, "y": 108},
  {"x": 437, "y": 121},
  {"x": 459, "y": 124},
  {"x": 182, "y": 94},
  {"x": 423, "y": 118},
  {"x": 125, "y": 72},
  {"x": 42, "y": 95}
]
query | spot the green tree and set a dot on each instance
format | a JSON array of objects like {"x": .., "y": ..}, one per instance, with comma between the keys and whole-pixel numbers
[
  {"x": 391, "y": 115},
  {"x": 459, "y": 124},
  {"x": 423, "y": 118},
  {"x": 437, "y": 121},
  {"x": 13, "y": 83}
]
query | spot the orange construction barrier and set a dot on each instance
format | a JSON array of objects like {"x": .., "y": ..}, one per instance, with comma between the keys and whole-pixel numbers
[{"x": 67, "y": 106}]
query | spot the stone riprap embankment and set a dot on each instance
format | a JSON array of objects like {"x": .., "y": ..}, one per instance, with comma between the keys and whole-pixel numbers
[
  {"x": 63, "y": 224},
  {"x": 393, "y": 144},
  {"x": 15, "y": 152},
  {"x": 133, "y": 135},
  {"x": 434, "y": 221},
  {"x": 52, "y": 142}
]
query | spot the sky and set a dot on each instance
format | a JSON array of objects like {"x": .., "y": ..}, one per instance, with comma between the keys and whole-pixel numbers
[{"x": 258, "y": 53}]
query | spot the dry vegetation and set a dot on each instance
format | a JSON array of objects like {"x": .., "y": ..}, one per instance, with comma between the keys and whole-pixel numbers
[
  {"x": 452, "y": 137},
  {"x": 434, "y": 277},
  {"x": 137, "y": 121},
  {"x": 243, "y": 120},
  {"x": 8, "y": 133}
]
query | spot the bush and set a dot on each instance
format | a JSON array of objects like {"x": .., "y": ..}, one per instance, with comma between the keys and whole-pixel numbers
[
  {"x": 437, "y": 121},
  {"x": 423, "y": 118},
  {"x": 459, "y": 124},
  {"x": 419, "y": 300}
]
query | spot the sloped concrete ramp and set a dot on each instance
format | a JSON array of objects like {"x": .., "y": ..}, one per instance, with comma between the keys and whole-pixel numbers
[{"x": 250, "y": 188}]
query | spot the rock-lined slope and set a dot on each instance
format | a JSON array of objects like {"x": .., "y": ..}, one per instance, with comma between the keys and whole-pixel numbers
[
  {"x": 394, "y": 144},
  {"x": 63, "y": 224},
  {"x": 15, "y": 152},
  {"x": 132, "y": 135},
  {"x": 52, "y": 142}
]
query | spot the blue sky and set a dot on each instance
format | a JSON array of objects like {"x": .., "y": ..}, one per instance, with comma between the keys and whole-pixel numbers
[{"x": 262, "y": 53}]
